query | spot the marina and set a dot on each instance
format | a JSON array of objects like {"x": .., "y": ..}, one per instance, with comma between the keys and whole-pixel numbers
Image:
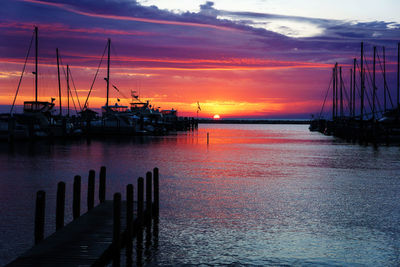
[
  {"x": 357, "y": 114},
  {"x": 39, "y": 119},
  {"x": 199, "y": 133}
]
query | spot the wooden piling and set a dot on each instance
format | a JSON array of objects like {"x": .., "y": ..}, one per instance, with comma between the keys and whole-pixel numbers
[
  {"x": 91, "y": 186},
  {"x": 60, "y": 207},
  {"x": 140, "y": 189},
  {"x": 39, "y": 216},
  {"x": 76, "y": 203},
  {"x": 149, "y": 196},
  {"x": 116, "y": 229},
  {"x": 156, "y": 202},
  {"x": 102, "y": 184},
  {"x": 129, "y": 210},
  {"x": 208, "y": 138},
  {"x": 93, "y": 228}
]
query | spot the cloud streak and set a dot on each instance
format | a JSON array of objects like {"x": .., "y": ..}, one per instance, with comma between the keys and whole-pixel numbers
[{"x": 212, "y": 56}]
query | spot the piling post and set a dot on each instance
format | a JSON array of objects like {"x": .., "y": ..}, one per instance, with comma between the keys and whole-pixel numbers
[
  {"x": 102, "y": 184},
  {"x": 116, "y": 228},
  {"x": 156, "y": 204},
  {"x": 60, "y": 207},
  {"x": 129, "y": 225},
  {"x": 129, "y": 210},
  {"x": 76, "y": 203},
  {"x": 39, "y": 216},
  {"x": 140, "y": 199},
  {"x": 149, "y": 196},
  {"x": 90, "y": 193},
  {"x": 208, "y": 138}
]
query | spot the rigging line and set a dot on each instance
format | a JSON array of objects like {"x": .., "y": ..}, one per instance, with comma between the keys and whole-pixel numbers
[
  {"x": 366, "y": 87},
  {"x": 95, "y": 76},
  {"x": 76, "y": 92},
  {"x": 118, "y": 90},
  {"x": 358, "y": 90},
  {"x": 373, "y": 88},
  {"x": 62, "y": 67},
  {"x": 73, "y": 101},
  {"x": 326, "y": 95},
  {"x": 120, "y": 66},
  {"x": 345, "y": 94},
  {"x": 365, "y": 91},
  {"x": 22, "y": 75},
  {"x": 386, "y": 87},
  {"x": 72, "y": 97},
  {"x": 69, "y": 91}
]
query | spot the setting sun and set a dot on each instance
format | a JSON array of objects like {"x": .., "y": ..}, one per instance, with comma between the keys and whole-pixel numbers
[{"x": 216, "y": 117}]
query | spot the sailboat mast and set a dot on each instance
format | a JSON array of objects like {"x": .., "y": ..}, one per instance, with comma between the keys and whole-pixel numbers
[
  {"x": 108, "y": 70},
  {"x": 398, "y": 74},
  {"x": 341, "y": 93},
  {"x": 336, "y": 90},
  {"x": 362, "y": 82},
  {"x": 68, "y": 91},
  {"x": 333, "y": 94},
  {"x": 59, "y": 80},
  {"x": 374, "y": 87},
  {"x": 384, "y": 80},
  {"x": 36, "y": 64},
  {"x": 354, "y": 86},
  {"x": 351, "y": 94}
]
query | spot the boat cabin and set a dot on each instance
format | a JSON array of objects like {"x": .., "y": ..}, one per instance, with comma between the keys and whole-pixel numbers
[
  {"x": 169, "y": 112},
  {"x": 37, "y": 106},
  {"x": 115, "y": 108}
]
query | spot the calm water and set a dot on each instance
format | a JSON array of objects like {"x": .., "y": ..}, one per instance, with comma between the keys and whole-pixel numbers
[{"x": 256, "y": 195}]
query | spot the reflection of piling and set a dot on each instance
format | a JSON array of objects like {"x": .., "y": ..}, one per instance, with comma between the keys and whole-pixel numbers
[
  {"x": 60, "y": 207},
  {"x": 90, "y": 194},
  {"x": 39, "y": 216},
  {"x": 102, "y": 188},
  {"x": 76, "y": 203},
  {"x": 148, "y": 197},
  {"x": 156, "y": 208},
  {"x": 140, "y": 199}
]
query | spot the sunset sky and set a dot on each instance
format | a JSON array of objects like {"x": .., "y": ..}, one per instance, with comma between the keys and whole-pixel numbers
[{"x": 243, "y": 59}]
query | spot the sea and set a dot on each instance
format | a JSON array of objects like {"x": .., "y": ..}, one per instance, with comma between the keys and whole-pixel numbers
[{"x": 253, "y": 195}]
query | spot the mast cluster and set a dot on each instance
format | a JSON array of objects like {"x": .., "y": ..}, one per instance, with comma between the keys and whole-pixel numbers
[{"x": 339, "y": 92}]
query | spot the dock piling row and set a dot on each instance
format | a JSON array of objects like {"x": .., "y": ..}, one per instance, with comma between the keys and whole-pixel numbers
[{"x": 121, "y": 212}]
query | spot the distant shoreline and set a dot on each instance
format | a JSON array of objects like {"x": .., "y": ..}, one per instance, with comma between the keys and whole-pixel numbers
[{"x": 256, "y": 121}]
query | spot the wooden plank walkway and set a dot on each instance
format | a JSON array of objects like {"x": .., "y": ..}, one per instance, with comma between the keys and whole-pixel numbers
[{"x": 80, "y": 243}]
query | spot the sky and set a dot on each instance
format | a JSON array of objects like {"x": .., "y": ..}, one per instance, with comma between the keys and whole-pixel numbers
[{"x": 239, "y": 59}]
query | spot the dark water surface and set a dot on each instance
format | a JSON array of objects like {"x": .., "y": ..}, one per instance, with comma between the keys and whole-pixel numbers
[{"x": 256, "y": 195}]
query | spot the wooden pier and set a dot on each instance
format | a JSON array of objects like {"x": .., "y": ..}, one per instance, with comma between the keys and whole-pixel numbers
[{"x": 97, "y": 237}]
